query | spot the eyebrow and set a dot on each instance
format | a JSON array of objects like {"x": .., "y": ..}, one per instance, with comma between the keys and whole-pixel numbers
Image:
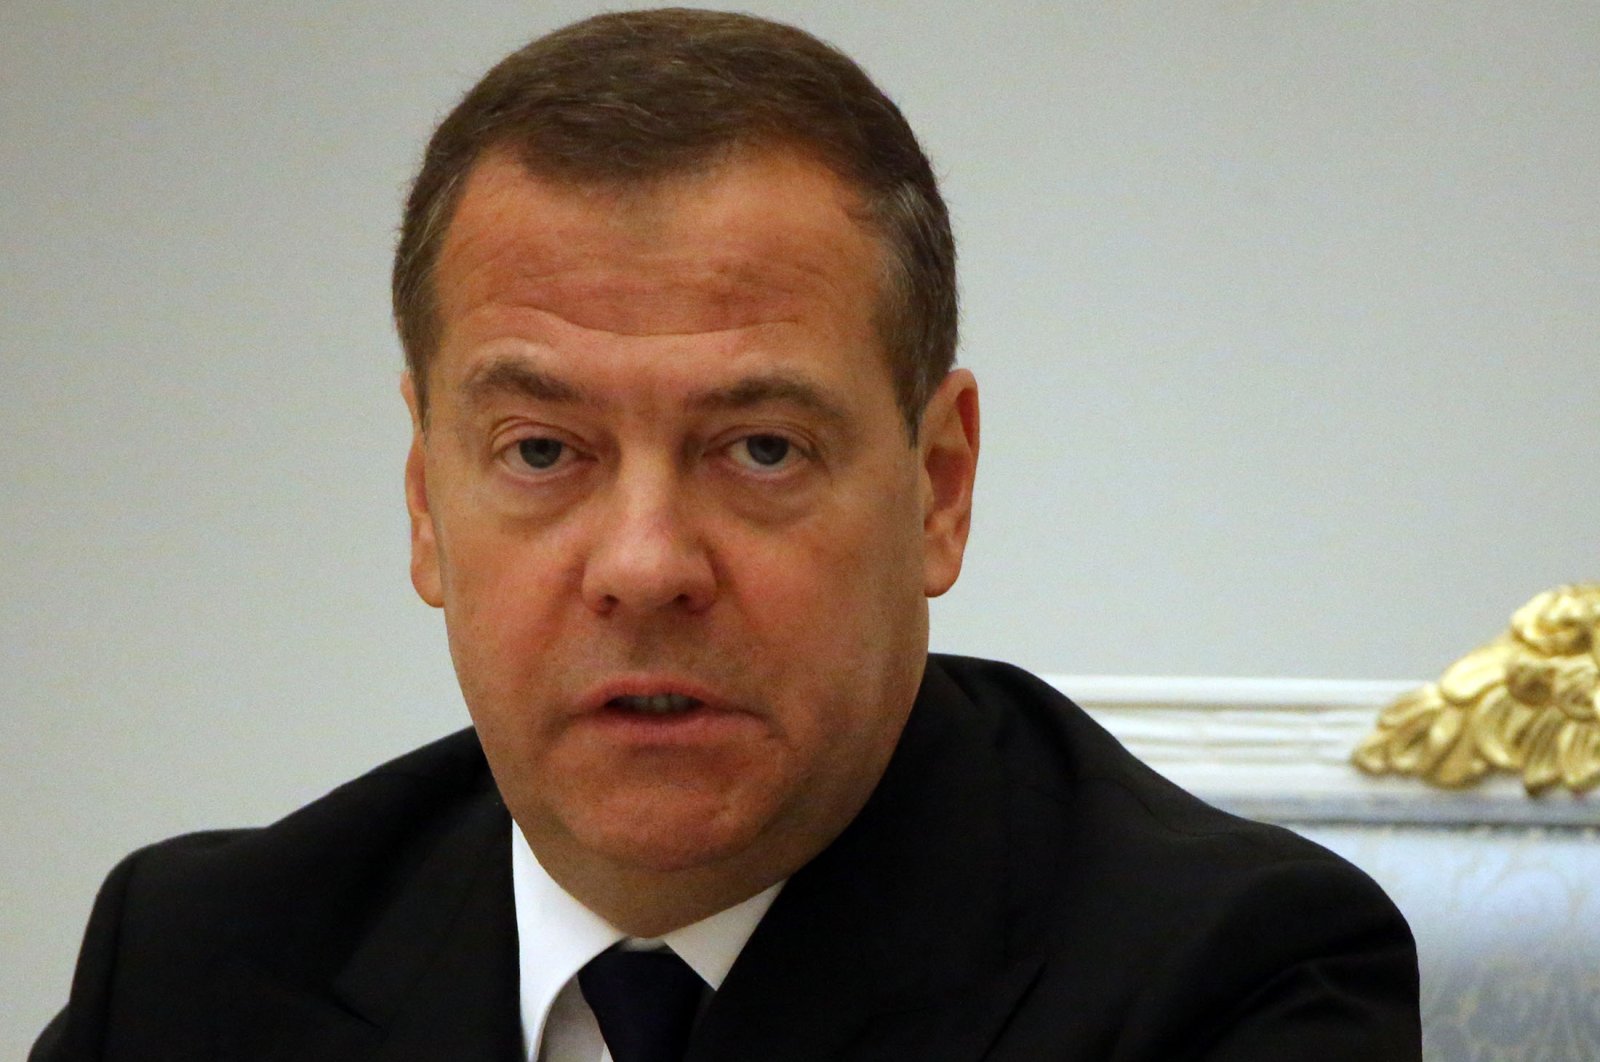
[
  {"x": 515, "y": 377},
  {"x": 772, "y": 387}
]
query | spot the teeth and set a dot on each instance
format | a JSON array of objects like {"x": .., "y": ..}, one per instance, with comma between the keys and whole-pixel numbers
[{"x": 656, "y": 703}]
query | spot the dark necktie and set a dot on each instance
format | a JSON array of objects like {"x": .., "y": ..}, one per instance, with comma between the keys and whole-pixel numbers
[{"x": 645, "y": 1002}]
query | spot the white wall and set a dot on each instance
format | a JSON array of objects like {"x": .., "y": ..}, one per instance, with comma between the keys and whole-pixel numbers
[{"x": 1286, "y": 317}]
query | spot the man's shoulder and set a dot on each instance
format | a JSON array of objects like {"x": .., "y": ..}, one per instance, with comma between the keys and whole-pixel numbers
[
  {"x": 1098, "y": 826},
  {"x": 324, "y": 862},
  {"x": 400, "y": 798},
  {"x": 1189, "y": 925},
  {"x": 1056, "y": 755},
  {"x": 230, "y": 918}
]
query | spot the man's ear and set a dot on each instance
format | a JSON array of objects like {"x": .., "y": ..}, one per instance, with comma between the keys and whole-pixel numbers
[
  {"x": 424, "y": 538},
  {"x": 948, "y": 442}
]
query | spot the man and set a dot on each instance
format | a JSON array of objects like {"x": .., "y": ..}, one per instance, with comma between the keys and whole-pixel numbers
[{"x": 677, "y": 296}]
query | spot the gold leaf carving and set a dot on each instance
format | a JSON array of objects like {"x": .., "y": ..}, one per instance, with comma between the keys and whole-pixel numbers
[{"x": 1527, "y": 703}]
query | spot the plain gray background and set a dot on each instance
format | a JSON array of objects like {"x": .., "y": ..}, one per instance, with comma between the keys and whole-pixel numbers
[{"x": 1285, "y": 316}]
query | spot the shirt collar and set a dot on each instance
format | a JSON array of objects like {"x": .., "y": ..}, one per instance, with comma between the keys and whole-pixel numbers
[{"x": 557, "y": 935}]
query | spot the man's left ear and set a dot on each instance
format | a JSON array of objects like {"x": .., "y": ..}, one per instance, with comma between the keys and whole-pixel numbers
[{"x": 948, "y": 442}]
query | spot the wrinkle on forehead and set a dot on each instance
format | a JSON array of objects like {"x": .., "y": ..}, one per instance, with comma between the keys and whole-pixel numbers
[
  {"x": 646, "y": 305},
  {"x": 750, "y": 242},
  {"x": 660, "y": 333}
]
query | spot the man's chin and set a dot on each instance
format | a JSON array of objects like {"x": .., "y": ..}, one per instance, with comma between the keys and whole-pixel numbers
[{"x": 664, "y": 837}]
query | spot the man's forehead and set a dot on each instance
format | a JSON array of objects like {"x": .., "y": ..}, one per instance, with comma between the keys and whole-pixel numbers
[{"x": 758, "y": 238}]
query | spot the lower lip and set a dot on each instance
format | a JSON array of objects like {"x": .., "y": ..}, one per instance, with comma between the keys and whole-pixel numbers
[{"x": 697, "y": 725}]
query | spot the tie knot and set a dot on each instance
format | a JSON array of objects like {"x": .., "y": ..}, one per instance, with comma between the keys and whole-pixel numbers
[{"x": 644, "y": 1001}]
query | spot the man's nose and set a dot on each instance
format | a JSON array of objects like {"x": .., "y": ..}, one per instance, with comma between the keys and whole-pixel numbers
[{"x": 648, "y": 552}]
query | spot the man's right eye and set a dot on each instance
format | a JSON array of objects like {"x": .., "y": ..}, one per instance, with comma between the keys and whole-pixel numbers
[{"x": 540, "y": 453}]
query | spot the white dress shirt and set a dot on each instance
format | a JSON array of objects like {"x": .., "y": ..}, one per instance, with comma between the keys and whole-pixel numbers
[{"x": 557, "y": 935}]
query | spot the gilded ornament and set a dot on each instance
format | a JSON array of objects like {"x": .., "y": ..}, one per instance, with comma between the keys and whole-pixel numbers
[{"x": 1527, "y": 703}]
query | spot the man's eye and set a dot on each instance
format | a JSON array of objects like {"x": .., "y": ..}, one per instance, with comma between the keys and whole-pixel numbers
[
  {"x": 762, "y": 451},
  {"x": 540, "y": 453}
]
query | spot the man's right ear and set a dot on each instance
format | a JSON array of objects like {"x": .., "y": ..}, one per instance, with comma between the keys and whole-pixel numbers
[{"x": 424, "y": 537}]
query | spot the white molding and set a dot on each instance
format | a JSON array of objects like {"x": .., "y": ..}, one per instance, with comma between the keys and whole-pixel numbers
[{"x": 1280, "y": 749}]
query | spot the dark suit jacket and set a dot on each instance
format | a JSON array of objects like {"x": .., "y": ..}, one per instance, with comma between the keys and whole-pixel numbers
[{"x": 1018, "y": 888}]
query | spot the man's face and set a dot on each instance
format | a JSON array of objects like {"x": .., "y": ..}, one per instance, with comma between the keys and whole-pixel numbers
[{"x": 668, "y": 504}]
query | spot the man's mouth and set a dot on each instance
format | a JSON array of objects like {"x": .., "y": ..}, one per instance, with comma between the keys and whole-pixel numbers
[{"x": 655, "y": 703}]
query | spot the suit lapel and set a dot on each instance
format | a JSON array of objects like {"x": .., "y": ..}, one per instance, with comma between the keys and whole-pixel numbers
[
  {"x": 436, "y": 977},
  {"x": 892, "y": 943}
]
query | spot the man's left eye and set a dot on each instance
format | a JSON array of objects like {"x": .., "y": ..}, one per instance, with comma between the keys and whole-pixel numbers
[
  {"x": 762, "y": 451},
  {"x": 540, "y": 453}
]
